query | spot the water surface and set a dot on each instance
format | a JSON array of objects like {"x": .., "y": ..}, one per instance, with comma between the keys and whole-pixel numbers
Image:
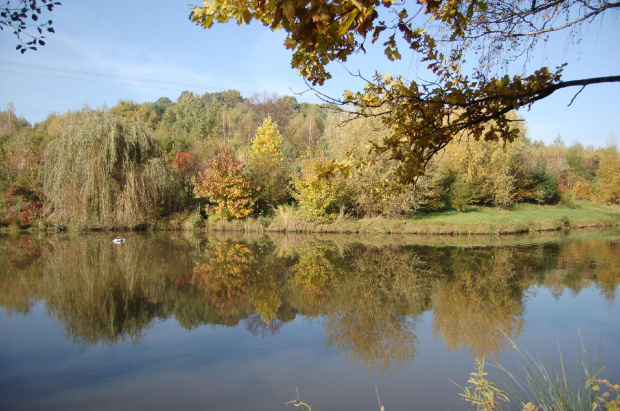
[{"x": 224, "y": 323}]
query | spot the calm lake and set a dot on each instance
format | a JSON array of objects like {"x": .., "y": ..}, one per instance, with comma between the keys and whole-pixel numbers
[{"x": 168, "y": 321}]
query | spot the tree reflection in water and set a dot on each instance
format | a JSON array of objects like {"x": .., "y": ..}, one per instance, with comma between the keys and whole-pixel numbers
[
  {"x": 256, "y": 325},
  {"x": 480, "y": 302},
  {"x": 224, "y": 276},
  {"x": 372, "y": 311},
  {"x": 369, "y": 298},
  {"x": 102, "y": 292},
  {"x": 19, "y": 273}
]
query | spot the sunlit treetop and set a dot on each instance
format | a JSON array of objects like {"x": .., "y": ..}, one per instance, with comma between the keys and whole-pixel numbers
[{"x": 267, "y": 144}]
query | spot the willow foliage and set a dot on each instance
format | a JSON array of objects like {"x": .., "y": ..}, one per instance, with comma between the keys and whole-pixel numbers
[{"x": 105, "y": 171}]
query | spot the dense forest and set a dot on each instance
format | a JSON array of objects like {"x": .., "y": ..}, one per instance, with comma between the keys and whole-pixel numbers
[{"x": 231, "y": 157}]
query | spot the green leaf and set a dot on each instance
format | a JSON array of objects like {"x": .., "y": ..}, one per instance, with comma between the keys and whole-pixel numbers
[{"x": 347, "y": 21}]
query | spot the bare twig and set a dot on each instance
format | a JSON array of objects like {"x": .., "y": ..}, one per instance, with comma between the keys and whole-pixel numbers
[{"x": 575, "y": 96}]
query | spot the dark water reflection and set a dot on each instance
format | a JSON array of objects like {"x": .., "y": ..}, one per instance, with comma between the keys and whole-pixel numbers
[{"x": 376, "y": 306}]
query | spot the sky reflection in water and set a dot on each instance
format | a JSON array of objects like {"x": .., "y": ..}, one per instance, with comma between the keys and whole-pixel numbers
[{"x": 167, "y": 322}]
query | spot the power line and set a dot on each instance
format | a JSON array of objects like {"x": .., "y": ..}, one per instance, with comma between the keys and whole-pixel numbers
[
  {"x": 149, "y": 83},
  {"x": 108, "y": 76},
  {"x": 89, "y": 80}
]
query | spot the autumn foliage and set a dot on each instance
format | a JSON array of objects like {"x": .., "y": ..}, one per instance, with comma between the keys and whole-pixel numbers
[
  {"x": 99, "y": 169},
  {"x": 225, "y": 185},
  {"x": 187, "y": 167},
  {"x": 608, "y": 187},
  {"x": 22, "y": 205},
  {"x": 456, "y": 98},
  {"x": 268, "y": 168}
]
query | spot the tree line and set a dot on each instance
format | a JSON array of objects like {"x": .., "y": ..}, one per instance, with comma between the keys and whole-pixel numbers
[
  {"x": 473, "y": 99},
  {"x": 234, "y": 157}
]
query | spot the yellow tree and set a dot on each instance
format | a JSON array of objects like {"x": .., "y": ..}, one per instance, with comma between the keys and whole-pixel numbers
[
  {"x": 608, "y": 186},
  {"x": 483, "y": 172},
  {"x": 321, "y": 193},
  {"x": 267, "y": 166}
]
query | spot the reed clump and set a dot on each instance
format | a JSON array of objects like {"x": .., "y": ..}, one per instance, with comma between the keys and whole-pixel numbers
[
  {"x": 288, "y": 218},
  {"x": 545, "y": 387}
]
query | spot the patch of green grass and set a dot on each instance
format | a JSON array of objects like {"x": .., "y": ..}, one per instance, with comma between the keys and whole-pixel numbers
[
  {"x": 480, "y": 220},
  {"x": 523, "y": 218}
]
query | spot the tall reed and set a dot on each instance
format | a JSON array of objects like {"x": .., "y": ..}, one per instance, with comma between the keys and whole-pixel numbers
[{"x": 545, "y": 387}]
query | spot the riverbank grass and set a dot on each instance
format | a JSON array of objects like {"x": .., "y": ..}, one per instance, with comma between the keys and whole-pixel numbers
[
  {"x": 522, "y": 218},
  {"x": 544, "y": 386},
  {"x": 480, "y": 220}
]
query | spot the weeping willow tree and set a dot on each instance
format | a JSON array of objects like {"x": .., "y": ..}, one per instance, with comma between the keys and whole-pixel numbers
[{"x": 105, "y": 171}]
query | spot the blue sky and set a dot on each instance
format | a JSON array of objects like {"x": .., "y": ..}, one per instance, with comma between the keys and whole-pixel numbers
[{"x": 125, "y": 40}]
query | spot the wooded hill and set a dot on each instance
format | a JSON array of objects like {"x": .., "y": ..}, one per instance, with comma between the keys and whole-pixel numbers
[{"x": 235, "y": 157}]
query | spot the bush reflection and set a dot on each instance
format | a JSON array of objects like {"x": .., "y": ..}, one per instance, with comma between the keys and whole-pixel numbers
[{"x": 369, "y": 298}]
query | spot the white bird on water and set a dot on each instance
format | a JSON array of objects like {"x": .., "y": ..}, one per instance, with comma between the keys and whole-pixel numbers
[{"x": 118, "y": 240}]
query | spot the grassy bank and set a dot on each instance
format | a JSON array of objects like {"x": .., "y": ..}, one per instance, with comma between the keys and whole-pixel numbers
[
  {"x": 524, "y": 218},
  {"x": 490, "y": 221}
]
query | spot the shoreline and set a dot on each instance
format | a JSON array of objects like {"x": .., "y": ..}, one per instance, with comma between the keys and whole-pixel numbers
[
  {"x": 524, "y": 218},
  {"x": 478, "y": 221}
]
